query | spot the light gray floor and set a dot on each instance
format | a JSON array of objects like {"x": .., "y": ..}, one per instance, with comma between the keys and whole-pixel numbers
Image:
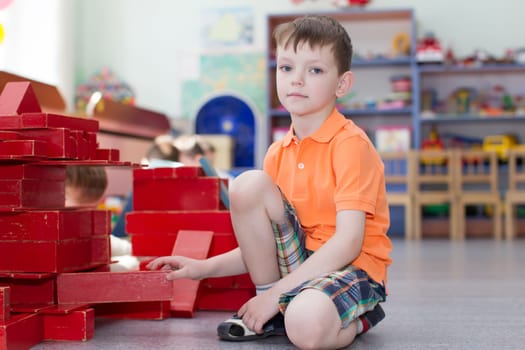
[{"x": 443, "y": 295}]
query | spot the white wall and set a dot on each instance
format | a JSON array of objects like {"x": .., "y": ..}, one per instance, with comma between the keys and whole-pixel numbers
[
  {"x": 148, "y": 43},
  {"x": 38, "y": 42}
]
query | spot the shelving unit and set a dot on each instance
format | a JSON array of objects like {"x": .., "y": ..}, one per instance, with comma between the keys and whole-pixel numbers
[
  {"x": 374, "y": 62},
  {"x": 443, "y": 80}
]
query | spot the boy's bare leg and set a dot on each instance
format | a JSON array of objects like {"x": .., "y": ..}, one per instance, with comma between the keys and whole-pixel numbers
[
  {"x": 312, "y": 322},
  {"x": 254, "y": 201}
]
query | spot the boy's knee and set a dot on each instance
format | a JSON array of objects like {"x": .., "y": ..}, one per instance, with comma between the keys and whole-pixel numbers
[{"x": 248, "y": 185}]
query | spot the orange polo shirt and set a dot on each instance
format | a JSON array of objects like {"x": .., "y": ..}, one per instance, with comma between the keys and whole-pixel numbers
[{"x": 336, "y": 168}]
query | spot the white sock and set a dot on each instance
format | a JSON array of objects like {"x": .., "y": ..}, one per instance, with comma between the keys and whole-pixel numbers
[
  {"x": 260, "y": 288},
  {"x": 359, "y": 325}
]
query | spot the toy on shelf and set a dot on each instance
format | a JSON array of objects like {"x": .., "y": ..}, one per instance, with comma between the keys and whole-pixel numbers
[
  {"x": 434, "y": 142},
  {"x": 429, "y": 49}
]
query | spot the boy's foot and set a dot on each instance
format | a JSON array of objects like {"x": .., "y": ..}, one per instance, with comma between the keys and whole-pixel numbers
[
  {"x": 234, "y": 329},
  {"x": 370, "y": 319}
]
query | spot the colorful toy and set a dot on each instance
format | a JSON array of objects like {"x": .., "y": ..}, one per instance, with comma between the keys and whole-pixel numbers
[{"x": 429, "y": 50}]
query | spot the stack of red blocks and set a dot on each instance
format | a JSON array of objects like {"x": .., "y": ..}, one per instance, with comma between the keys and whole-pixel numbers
[
  {"x": 179, "y": 211},
  {"x": 53, "y": 260}
]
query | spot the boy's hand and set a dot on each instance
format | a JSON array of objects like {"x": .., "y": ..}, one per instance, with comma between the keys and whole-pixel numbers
[
  {"x": 181, "y": 267},
  {"x": 258, "y": 310}
]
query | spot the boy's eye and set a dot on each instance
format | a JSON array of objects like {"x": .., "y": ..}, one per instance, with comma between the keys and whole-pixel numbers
[
  {"x": 316, "y": 70},
  {"x": 285, "y": 68}
]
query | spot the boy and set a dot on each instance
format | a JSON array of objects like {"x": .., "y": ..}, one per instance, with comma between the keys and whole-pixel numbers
[{"x": 312, "y": 226}]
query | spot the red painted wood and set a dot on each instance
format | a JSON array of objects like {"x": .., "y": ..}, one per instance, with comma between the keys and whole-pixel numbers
[
  {"x": 160, "y": 222},
  {"x": 76, "y": 325},
  {"x": 55, "y": 256},
  {"x": 196, "y": 245},
  {"x": 142, "y": 310},
  {"x": 21, "y": 332},
  {"x": 32, "y": 171},
  {"x": 179, "y": 172},
  {"x": 154, "y": 244},
  {"x": 111, "y": 287},
  {"x": 17, "y": 98},
  {"x": 5, "y": 303},
  {"x": 177, "y": 194},
  {"x": 29, "y": 289},
  {"x": 51, "y": 225},
  {"x": 47, "y": 120}
]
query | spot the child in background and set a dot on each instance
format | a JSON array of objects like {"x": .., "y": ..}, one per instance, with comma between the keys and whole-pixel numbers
[
  {"x": 85, "y": 187},
  {"x": 312, "y": 226}
]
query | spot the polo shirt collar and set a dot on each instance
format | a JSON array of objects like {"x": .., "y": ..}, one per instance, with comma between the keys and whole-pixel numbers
[{"x": 326, "y": 132}]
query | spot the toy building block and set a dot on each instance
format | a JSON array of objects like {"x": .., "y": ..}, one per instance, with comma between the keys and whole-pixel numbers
[
  {"x": 5, "y": 304},
  {"x": 48, "y": 225},
  {"x": 49, "y": 120},
  {"x": 29, "y": 289},
  {"x": 196, "y": 245},
  {"x": 15, "y": 149},
  {"x": 129, "y": 286},
  {"x": 51, "y": 256},
  {"x": 208, "y": 169},
  {"x": 32, "y": 193},
  {"x": 177, "y": 194},
  {"x": 161, "y": 222},
  {"x": 32, "y": 171},
  {"x": 141, "y": 310},
  {"x": 21, "y": 332},
  {"x": 179, "y": 172},
  {"x": 18, "y": 98},
  {"x": 76, "y": 325}
]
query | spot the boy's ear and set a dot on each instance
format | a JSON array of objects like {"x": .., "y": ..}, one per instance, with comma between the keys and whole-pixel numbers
[{"x": 345, "y": 83}]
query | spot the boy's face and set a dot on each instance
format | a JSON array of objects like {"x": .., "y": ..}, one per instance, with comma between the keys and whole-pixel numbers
[{"x": 308, "y": 82}]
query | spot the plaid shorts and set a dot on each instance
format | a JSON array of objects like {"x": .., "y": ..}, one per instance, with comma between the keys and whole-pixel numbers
[{"x": 350, "y": 288}]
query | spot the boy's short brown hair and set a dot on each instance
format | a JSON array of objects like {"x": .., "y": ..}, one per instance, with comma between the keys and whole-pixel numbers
[
  {"x": 317, "y": 30},
  {"x": 89, "y": 181}
]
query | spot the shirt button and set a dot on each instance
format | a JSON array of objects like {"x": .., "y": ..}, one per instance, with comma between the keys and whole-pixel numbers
[{"x": 300, "y": 166}]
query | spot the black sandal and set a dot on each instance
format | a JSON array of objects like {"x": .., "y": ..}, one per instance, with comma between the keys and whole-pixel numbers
[{"x": 234, "y": 329}]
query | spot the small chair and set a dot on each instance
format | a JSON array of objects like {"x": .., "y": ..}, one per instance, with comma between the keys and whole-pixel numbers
[
  {"x": 434, "y": 184},
  {"x": 515, "y": 194},
  {"x": 477, "y": 183},
  {"x": 399, "y": 179}
]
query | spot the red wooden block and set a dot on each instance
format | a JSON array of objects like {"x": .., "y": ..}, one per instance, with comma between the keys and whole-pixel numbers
[
  {"x": 5, "y": 303},
  {"x": 30, "y": 289},
  {"x": 159, "y": 222},
  {"x": 107, "y": 154},
  {"x": 223, "y": 299},
  {"x": 22, "y": 148},
  {"x": 17, "y": 98},
  {"x": 32, "y": 193},
  {"x": 142, "y": 310},
  {"x": 110, "y": 287},
  {"x": 40, "y": 256},
  {"x": 47, "y": 225},
  {"x": 100, "y": 251},
  {"x": 158, "y": 244},
  {"x": 58, "y": 140},
  {"x": 179, "y": 172},
  {"x": 8, "y": 135},
  {"x": 196, "y": 245},
  {"x": 48, "y": 120},
  {"x": 21, "y": 332},
  {"x": 76, "y": 325},
  {"x": 32, "y": 171},
  {"x": 101, "y": 222},
  {"x": 201, "y": 193}
]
